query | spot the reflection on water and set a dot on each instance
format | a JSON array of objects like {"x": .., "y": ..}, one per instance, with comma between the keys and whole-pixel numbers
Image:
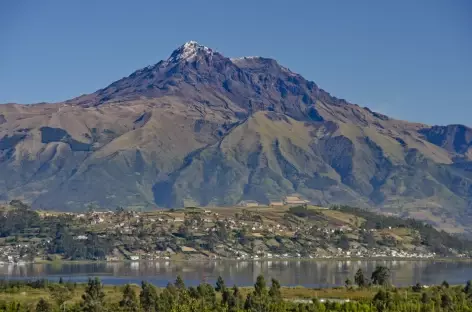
[{"x": 324, "y": 273}]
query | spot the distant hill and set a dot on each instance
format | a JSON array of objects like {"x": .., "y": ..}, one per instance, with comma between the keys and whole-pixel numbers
[{"x": 203, "y": 129}]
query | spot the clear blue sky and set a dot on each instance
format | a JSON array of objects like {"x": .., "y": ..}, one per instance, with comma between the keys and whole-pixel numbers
[{"x": 411, "y": 59}]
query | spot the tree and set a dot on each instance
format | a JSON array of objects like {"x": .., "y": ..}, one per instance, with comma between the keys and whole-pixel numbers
[
  {"x": 185, "y": 231},
  {"x": 249, "y": 303},
  {"x": 220, "y": 285},
  {"x": 381, "y": 300},
  {"x": 207, "y": 295},
  {"x": 179, "y": 283},
  {"x": 348, "y": 283},
  {"x": 343, "y": 242},
  {"x": 93, "y": 296},
  {"x": 417, "y": 288},
  {"x": 369, "y": 240},
  {"x": 221, "y": 231},
  {"x": 167, "y": 299},
  {"x": 468, "y": 288},
  {"x": 227, "y": 297},
  {"x": 446, "y": 301},
  {"x": 238, "y": 299},
  {"x": 129, "y": 303},
  {"x": 242, "y": 236},
  {"x": 445, "y": 284},
  {"x": 380, "y": 276},
  {"x": 425, "y": 298},
  {"x": 43, "y": 306},
  {"x": 192, "y": 291},
  {"x": 260, "y": 286},
  {"x": 60, "y": 294},
  {"x": 359, "y": 278},
  {"x": 274, "y": 291},
  {"x": 259, "y": 299},
  {"x": 148, "y": 297}
]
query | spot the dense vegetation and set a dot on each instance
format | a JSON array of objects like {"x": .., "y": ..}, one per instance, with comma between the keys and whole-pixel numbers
[{"x": 220, "y": 297}]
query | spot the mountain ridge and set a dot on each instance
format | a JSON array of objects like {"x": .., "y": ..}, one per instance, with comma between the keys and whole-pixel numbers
[{"x": 203, "y": 129}]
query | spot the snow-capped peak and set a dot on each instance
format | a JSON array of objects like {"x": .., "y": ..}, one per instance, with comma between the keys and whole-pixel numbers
[{"x": 188, "y": 51}]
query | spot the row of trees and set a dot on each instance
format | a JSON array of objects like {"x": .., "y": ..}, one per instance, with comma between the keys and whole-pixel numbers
[
  {"x": 380, "y": 277},
  {"x": 221, "y": 298},
  {"x": 175, "y": 297}
]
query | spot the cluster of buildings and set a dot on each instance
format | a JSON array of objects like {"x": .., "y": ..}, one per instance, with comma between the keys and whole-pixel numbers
[
  {"x": 13, "y": 254},
  {"x": 203, "y": 223},
  {"x": 281, "y": 237}
]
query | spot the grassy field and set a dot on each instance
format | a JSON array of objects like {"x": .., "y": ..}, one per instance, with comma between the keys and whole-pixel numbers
[
  {"x": 114, "y": 294},
  {"x": 31, "y": 296}
]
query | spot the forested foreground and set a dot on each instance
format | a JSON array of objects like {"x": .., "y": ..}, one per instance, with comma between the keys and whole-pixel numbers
[{"x": 44, "y": 296}]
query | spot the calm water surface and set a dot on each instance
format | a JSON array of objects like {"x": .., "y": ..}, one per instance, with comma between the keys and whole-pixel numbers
[{"x": 325, "y": 273}]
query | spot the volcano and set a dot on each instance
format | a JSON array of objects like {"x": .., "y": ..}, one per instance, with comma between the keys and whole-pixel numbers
[{"x": 201, "y": 129}]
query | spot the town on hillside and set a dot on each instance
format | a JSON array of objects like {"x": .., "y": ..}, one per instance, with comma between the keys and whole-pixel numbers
[{"x": 294, "y": 229}]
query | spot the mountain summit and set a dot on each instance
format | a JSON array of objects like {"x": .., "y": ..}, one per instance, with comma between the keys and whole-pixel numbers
[
  {"x": 203, "y": 129},
  {"x": 190, "y": 51}
]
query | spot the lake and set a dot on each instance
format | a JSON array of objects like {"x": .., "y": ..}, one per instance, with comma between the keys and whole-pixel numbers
[{"x": 319, "y": 273}]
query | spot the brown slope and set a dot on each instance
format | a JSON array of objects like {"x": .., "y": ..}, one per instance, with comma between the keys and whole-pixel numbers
[{"x": 122, "y": 169}]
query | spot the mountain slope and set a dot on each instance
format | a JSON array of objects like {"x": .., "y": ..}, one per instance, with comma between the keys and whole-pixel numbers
[{"x": 203, "y": 129}]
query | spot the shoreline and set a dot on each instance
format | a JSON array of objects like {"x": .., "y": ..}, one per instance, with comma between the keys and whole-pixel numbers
[{"x": 439, "y": 259}]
